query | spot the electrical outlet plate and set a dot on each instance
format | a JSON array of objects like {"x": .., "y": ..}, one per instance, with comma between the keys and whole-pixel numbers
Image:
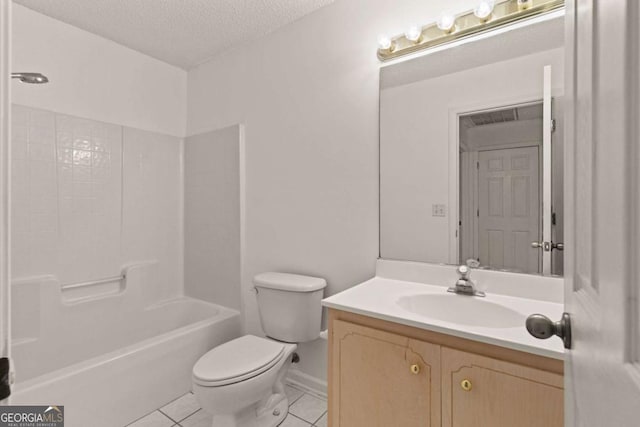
[{"x": 439, "y": 210}]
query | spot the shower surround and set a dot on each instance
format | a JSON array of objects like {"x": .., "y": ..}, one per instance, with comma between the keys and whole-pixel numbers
[
  {"x": 89, "y": 197},
  {"x": 92, "y": 201}
]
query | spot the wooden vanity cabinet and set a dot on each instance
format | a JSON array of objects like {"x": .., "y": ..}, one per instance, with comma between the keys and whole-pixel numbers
[{"x": 383, "y": 374}]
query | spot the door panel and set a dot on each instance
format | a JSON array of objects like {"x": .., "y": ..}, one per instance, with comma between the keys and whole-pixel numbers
[
  {"x": 377, "y": 387},
  {"x": 602, "y": 273},
  {"x": 509, "y": 216},
  {"x": 497, "y": 393}
]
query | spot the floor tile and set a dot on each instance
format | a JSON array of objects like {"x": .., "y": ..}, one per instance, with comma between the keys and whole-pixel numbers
[
  {"x": 309, "y": 408},
  {"x": 292, "y": 421},
  {"x": 154, "y": 419},
  {"x": 292, "y": 393},
  {"x": 181, "y": 408},
  {"x": 322, "y": 422},
  {"x": 199, "y": 419}
]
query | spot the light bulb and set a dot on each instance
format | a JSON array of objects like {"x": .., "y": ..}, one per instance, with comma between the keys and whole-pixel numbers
[
  {"x": 413, "y": 33},
  {"x": 524, "y": 4},
  {"x": 446, "y": 22},
  {"x": 384, "y": 42},
  {"x": 484, "y": 9}
]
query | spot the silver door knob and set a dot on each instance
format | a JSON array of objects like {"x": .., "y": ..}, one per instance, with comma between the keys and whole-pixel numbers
[
  {"x": 541, "y": 327},
  {"x": 546, "y": 246},
  {"x": 557, "y": 246}
]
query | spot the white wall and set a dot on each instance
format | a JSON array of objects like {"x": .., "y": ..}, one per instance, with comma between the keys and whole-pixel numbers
[
  {"x": 308, "y": 97},
  {"x": 212, "y": 198},
  {"x": 415, "y": 153},
  {"x": 95, "y": 78}
]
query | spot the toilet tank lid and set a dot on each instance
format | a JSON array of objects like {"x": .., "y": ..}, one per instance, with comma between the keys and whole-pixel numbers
[{"x": 289, "y": 282}]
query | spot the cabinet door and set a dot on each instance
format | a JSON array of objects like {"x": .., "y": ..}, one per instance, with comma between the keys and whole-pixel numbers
[
  {"x": 380, "y": 379},
  {"x": 484, "y": 392}
]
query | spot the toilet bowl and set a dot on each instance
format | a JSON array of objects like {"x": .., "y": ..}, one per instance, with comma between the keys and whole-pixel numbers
[{"x": 241, "y": 382}]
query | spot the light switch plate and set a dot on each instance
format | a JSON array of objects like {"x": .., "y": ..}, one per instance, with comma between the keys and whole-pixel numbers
[{"x": 439, "y": 210}]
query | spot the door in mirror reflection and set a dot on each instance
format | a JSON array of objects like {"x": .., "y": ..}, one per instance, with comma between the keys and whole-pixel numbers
[{"x": 503, "y": 177}]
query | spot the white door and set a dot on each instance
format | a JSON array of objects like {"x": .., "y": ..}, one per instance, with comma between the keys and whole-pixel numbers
[
  {"x": 509, "y": 213},
  {"x": 602, "y": 231}
]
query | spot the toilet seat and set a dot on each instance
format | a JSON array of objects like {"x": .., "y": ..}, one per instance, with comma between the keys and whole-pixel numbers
[{"x": 237, "y": 360}]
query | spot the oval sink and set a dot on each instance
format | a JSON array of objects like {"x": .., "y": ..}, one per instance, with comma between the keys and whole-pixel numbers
[{"x": 462, "y": 310}]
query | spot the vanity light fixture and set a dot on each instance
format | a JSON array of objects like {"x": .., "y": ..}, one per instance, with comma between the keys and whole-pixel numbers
[
  {"x": 487, "y": 15},
  {"x": 414, "y": 34},
  {"x": 484, "y": 10}
]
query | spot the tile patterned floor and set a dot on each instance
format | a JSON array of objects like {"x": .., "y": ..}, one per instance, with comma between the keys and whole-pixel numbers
[{"x": 305, "y": 410}]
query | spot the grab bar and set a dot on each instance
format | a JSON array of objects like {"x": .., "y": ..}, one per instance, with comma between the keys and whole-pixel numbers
[{"x": 94, "y": 282}]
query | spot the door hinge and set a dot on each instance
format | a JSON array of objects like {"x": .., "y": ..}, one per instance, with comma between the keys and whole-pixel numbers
[
  {"x": 553, "y": 125},
  {"x": 478, "y": 213},
  {"x": 478, "y": 165}
]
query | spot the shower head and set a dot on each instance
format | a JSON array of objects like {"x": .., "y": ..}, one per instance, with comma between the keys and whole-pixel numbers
[{"x": 33, "y": 78}]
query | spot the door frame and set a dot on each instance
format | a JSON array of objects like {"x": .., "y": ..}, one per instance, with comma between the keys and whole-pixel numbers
[{"x": 5, "y": 178}]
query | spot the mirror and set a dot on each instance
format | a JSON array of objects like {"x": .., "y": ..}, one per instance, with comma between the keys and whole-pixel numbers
[{"x": 471, "y": 153}]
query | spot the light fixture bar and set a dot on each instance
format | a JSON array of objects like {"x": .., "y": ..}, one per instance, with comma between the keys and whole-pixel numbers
[{"x": 465, "y": 25}]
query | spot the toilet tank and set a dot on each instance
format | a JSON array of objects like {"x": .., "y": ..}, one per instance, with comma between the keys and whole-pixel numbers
[{"x": 290, "y": 305}]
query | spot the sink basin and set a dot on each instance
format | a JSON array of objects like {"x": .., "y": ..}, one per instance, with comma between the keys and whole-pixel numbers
[{"x": 462, "y": 310}]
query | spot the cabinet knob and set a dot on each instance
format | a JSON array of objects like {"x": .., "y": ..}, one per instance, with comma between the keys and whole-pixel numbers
[
  {"x": 466, "y": 385},
  {"x": 415, "y": 369}
]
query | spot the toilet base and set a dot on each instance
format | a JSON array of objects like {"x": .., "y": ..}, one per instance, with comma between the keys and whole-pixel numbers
[{"x": 269, "y": 413}]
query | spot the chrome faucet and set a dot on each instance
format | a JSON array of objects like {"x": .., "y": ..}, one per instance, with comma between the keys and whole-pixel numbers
[{"x": 464, "y": 285}]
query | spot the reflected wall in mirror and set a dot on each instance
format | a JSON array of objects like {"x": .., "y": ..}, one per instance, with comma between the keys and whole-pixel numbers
[{"x": 471, "y": 153}]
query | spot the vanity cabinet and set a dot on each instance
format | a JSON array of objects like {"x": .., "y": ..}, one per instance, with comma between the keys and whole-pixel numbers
[{"x": 384, "y": 374}]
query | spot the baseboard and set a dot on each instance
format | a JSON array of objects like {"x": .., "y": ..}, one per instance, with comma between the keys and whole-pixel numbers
[{"x": 307, "y": 383}]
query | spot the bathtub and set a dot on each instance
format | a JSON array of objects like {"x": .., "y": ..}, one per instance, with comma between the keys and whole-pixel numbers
[{"x": 110, "y": 357}]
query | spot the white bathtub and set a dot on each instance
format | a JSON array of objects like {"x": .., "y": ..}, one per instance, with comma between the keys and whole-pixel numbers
[{"x": 112, "y": 358}]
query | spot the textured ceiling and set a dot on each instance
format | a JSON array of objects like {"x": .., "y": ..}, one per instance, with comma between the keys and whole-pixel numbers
[{"x": 184, "y": 33}]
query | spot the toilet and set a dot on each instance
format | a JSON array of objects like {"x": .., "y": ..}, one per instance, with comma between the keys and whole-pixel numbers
[{"x": 241, "y": 382}]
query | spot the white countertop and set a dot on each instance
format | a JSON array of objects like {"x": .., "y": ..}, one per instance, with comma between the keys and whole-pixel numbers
[{"x": 379, "y": 297}]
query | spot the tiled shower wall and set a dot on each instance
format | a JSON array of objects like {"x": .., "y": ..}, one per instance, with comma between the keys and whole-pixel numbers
[{"x": 90, "y": 197}]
